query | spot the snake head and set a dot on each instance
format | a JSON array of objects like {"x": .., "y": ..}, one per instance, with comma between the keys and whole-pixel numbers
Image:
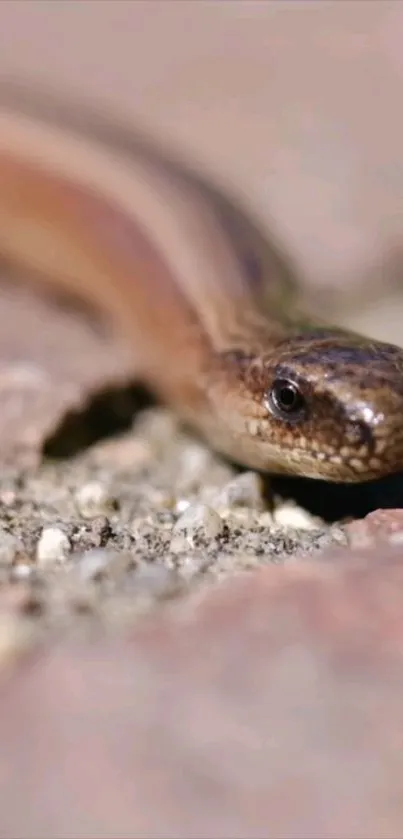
[{"x": 322, "y": 404}]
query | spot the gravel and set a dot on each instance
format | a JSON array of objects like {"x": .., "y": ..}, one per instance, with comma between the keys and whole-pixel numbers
[{"x": 138, "y": 519}]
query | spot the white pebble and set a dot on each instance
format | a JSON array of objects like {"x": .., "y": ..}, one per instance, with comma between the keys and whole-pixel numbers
[
  {"x": 195, "y": 459},
  {"x": 289, "y": 515},
  {"x": 198, "y": 522},
  {"x": 93, "y": 500},
  {"x": 181, "y": 506},
  {"x": 53, "y": 546},
  {"x": 22, "y": 571},
  {"x": 243, "y": 491}
]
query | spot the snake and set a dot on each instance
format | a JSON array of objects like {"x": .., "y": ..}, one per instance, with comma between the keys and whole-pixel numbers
[{"x": 188, "y": 276}]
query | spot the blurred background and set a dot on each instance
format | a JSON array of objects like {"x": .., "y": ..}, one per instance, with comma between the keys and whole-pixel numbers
[{"x": 297, "y": 105}]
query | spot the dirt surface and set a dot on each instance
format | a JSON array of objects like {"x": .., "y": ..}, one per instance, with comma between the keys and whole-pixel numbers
[
  {"x": 116, "y": 526},
  {"x": 108, "y": 507},
  {"x": 184, "y": 649}
]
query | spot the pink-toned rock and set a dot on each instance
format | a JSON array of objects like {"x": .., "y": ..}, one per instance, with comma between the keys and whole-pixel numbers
[
  {"x": 51, "y": 362},
  {"x": 377, "y": 528},
  {"x": 269, "y": 706}
]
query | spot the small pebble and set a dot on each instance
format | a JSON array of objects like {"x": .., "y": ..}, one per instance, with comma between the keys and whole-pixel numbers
[
  {"x": 127, "y": 453},
  {"x": 193, "y": 463},
  {"x": 288, "y": 515},
  {"x": 22, "y": 571},
  {"x": 266, "y": 519},
  {"x": 142, "y": 528},
  {"x": 160, "y": 498},
  {"x": 197, "y": 524},
  {"x": 158, "y": 427},
  {"x": 181, "y": 506},
  {"x": 99, "y": 532},
  {"x": 243, "y": 491},
  {"x": 93, "y": 499},
  {"x": 53, "y": 546}
]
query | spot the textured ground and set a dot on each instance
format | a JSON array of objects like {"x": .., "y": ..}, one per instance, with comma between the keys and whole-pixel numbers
[
  {"x": 184, "y": 649},
  {"x": 175, "y": 658},
  {"x": 142, "y": 514}
]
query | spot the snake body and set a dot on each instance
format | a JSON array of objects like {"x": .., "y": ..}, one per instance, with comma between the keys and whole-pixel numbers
[{"x": 194, "y": 285}]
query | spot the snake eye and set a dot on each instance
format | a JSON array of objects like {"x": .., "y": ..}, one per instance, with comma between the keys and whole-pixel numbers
[{"x": 285, "y": 400}]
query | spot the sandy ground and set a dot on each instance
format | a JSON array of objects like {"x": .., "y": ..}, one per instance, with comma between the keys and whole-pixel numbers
[
  {"x": 109, "y": 506},
  {"x": 184, "y": 648}
]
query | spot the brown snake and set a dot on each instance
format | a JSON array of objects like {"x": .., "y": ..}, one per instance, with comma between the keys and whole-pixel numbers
[{"x": 189, "y": 279}]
